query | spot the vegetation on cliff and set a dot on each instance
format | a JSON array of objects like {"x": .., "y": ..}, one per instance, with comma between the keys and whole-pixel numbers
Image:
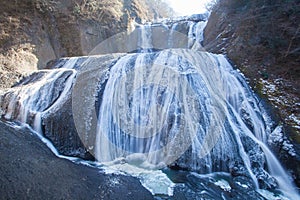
[
  {"x": 262, "y": 39},
  {"x": 33, "y": 32}
]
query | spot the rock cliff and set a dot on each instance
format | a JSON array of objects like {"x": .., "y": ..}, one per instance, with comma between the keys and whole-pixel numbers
[
  {"x": 262, "y": 39},
  {"x": 33, "y": 32}
]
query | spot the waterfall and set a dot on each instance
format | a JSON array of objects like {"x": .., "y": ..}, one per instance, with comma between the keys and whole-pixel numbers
[
  {"x": 31, "y": 102},
  {"x": 195, "y": 34},
  {"x": 168, "y": 104},
  {"x": 152, "y": 98},
  {"x": 145, "y": 43}
]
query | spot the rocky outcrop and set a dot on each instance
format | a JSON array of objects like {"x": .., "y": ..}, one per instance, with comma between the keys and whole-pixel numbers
[
  {"x": 34, "y": 32},
  {"x": 262, "y": 39},
  {"x": 29, "y": 170}
]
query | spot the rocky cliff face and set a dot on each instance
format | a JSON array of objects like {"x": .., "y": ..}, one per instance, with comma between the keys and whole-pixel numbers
[
  {"x": 262, "y": 39},
  {"x": 33, "y": 32}
]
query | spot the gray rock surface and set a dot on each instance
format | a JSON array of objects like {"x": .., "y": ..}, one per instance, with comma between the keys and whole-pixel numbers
[{"x": 29, "y": 170}]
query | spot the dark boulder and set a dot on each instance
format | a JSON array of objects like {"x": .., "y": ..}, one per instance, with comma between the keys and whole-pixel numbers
[{"x": 29, "y": 170}]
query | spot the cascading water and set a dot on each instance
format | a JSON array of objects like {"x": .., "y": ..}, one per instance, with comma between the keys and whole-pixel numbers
[
  {"x": 31, "y": 102},
  {"x": 177, "y": 107},
  {"x": 145, "y": 43},
  {"x": 195, "y": 34}
]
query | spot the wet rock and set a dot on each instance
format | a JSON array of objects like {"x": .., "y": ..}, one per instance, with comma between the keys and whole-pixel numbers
[
  {"x": 217, "y": 186},
  {"x": 61, "y": 130},
  {"x": 29, "y": 170}
]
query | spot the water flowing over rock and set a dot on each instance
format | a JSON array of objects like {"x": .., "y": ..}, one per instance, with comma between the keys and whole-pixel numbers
[{"x": 167, "y": 103}]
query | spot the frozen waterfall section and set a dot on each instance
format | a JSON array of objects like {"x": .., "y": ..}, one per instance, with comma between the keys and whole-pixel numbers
[{"x": 165, "y": 104}]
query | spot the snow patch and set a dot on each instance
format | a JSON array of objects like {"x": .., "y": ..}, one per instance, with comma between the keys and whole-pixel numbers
[
  {"x": 224, "y": 185},
  {"x": 277, "y": 137},
  {"x": 243, "y": 185}
]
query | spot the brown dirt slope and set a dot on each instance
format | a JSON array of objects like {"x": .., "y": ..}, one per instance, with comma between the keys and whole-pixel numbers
[{"x": 33, "y": 32}]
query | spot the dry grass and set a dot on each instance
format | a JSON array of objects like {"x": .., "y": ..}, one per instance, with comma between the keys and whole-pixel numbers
[
  {"x": 99, "y": 10},
  {"x": 16, "y": 63}
]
